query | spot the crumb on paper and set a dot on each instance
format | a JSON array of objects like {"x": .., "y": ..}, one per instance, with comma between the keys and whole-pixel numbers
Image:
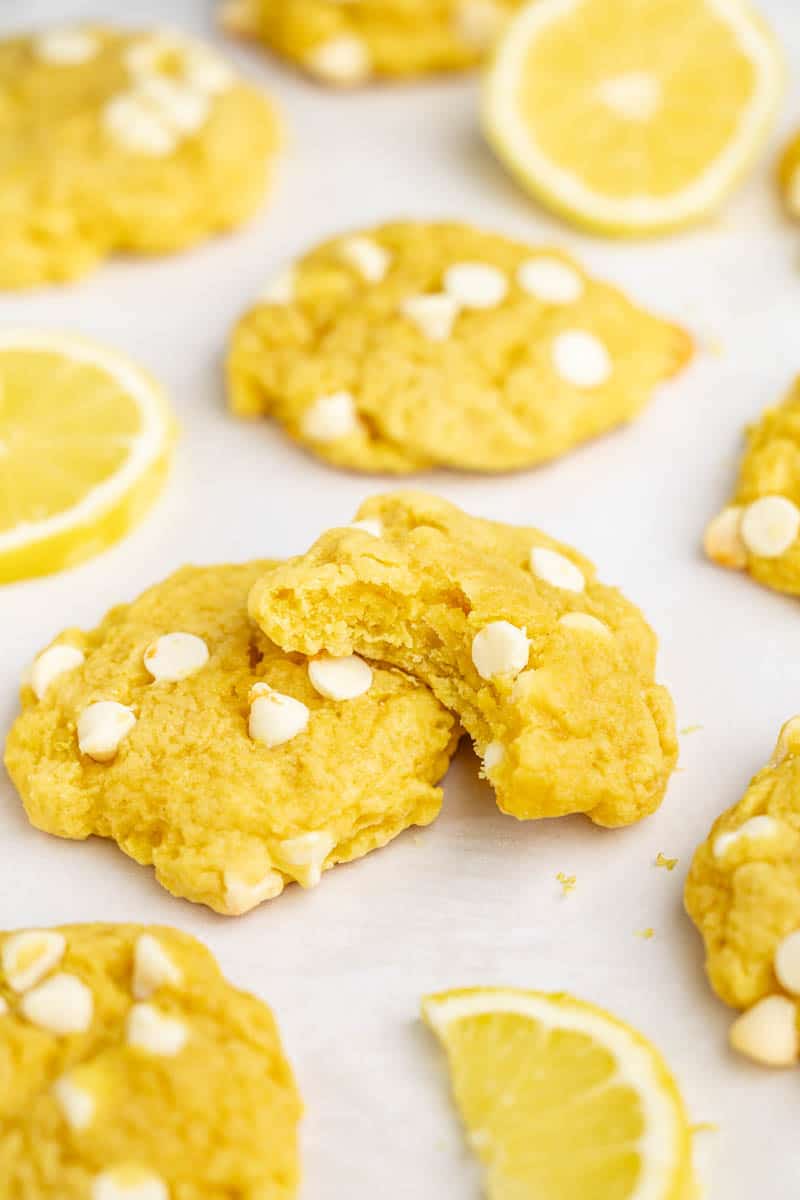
[
  {"x": 689, "y": 729},
  {"x": 662, "y": 861},
  {"x": 647, "y": 934},
  {"x": 567, "y": 882},
  {"x": 704, "y": 1127}
]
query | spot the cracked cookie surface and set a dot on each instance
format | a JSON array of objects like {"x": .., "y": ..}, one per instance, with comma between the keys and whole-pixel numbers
[
  {"x": 130, "y": 1069},
  {"x": 414, "y": 345},
  {"x": 550, "y": 672},
  {"x": 140, "y": 142},
  {"x": 759, "y": 531},
  {"x": 178, "y": 730},
  {"x": 348, "y": 44},
  {"x": 743, "y": 894}
]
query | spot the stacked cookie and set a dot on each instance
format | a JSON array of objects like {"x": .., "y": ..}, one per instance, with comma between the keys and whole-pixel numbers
[{"x": 237, "y": 753}]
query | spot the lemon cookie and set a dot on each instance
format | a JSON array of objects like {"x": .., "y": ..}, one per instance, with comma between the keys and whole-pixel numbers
[
  {"x": 758, "y": 530},
  {"x": 743, "y": 894},
  {"x": 347, "y": 42},
  {"x": 178, "y": 730},
  {"x": 130, "y": 1069},
  {"x": 129, "y": 141},
  {"x": 418, "y": 344},
  {"x": 551, "y": 672},
  {"x": 789, "y": 177}
]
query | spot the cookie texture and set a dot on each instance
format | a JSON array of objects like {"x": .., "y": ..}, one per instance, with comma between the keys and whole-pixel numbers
[
  {"x": 139, "y": 142},
  {"x": 130, "y": 1069},
  {"x": 550, "y": 671},
  {"x": 344, "y": 44},
  {"x": 743, "y": 889},
  {"x": 758, "y": 530},
  {"x": 789, "y": 177},
  {"x": 417, "y": 345},
  {"x": 178, "y": 730}
]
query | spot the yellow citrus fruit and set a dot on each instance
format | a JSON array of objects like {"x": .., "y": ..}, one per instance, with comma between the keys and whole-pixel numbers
[
  {"x": 561, "y": 1100},
  {"x": 602, "y": 108},
  {"x": 85, "y": 443}
]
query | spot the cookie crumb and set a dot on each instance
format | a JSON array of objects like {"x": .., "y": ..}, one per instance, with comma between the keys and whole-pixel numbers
[
  {"x": 567, "y": 883},
  {"x": 689, "y": 729},
  {"x": 647, "y": 934},
  {"x": 663, "y": 861}
]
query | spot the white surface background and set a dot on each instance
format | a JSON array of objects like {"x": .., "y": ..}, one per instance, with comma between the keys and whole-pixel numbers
[{"x": 474, "y": 899}]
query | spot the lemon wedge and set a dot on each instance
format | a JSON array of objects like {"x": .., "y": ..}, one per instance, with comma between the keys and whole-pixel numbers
[
  {"x": 632, "y": 117},
  {"x": 85, "y": 443},
  {"x": 561, "y": 1100}
]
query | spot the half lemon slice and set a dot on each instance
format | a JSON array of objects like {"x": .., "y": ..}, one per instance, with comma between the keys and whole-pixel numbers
[
  {"x": 561, "y": 1100},
  {"x": 632, "y": 116},
  {"x": 85, "y": 444}
]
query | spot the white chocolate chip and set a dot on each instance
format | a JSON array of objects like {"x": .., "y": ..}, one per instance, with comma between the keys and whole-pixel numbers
[
  {"x": 153, "y": 1031},
  {"x": 788, "y": 742},
  {"x": 434, "y": 315},
  {"x": 367, "y": 257},
  {"x": 129, "y": 1182},
  {"x": 787, "y": 963},
  {"x": 475, "y": 285},
  {"x": 767, "y": 1032},
  {"x": 274, "y": 717},
  {"x": 493, "y": 755},
  {"x": 368, "y": 525},
  {"x": 132, "y": 121},
  {"x": 584, "y": 622},
  {"x": 478, "y": 22},
  {"x": 75, "y": 1102},
  {"x": 66, "y": 47},
  {"x": 770, "y": 525},
  {"x": 755, "y": 827},
  {"x": 550, "y": 280},
  {"x": 581, "y": 359},
  {"x": 152, "y": 967},
  {"x": 62, "y": 1004},
  {"x": 723, "y": 539},
  {"x": 343, "y": 60},
  {"x": 281, "y": 288},
  {"x": 175, "y": 656},
  {"x": 208, "y": 72},
  {"x": 634, "y": 95},
  {"x": 181, "y": 108},
  {"x": 304, "y": 856},
  {"x": 340, "y": 678},
  {"x": 241, "y": 897},
  {"x": 500, "y": 648},
  {"x": 52, "y": 663},
  {"x": 101, "y": 728},
  {"x": 556, "y": 569},
  {"x": 30, "y": 955},
  {"x": 330, "y": 418}
]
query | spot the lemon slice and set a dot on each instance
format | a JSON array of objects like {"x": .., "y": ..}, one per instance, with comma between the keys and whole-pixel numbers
[
  {"x": 632, "y": 116},
  {"x": 85, "y": 443},
  {"x": 561, "y": 1100}
]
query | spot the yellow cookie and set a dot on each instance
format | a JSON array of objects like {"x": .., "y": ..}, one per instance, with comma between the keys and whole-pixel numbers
[
  {"x": 758, "y": 530},
  {"x": 130, "y": 1069},
  {"x": 743, "y": 894},
  {"x": 789, "y": 177},
  {"x": 419, "y": 344},
  {"x": 347, "y": 42},
  {"x": 111, "y": 141},
  {"x": 551, "y": 672},
  {"x": 178, "y": 730}
]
